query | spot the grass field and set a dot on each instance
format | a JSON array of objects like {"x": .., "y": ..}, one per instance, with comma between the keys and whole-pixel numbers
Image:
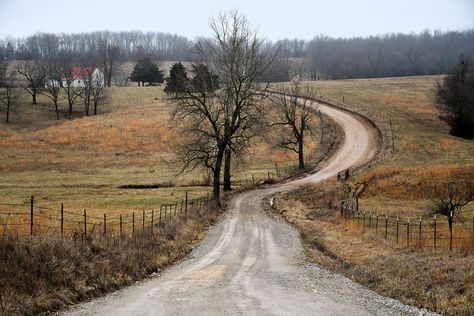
[
  {"x": 83, "y": 161},
  {"x": 425, "y": 153}
]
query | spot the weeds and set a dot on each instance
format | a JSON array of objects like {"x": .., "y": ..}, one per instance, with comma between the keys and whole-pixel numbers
[{"x": 46, "y": 273}]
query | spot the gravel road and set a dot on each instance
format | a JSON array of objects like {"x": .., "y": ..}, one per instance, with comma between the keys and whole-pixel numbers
[{"x": 254, "y": 264}]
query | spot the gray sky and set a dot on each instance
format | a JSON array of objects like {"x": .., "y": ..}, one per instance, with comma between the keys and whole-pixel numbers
[{"x": 274, "y": 19}]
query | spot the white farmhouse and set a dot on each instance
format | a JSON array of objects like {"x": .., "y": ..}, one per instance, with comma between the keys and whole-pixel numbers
[{"x": 81, "y": 76}]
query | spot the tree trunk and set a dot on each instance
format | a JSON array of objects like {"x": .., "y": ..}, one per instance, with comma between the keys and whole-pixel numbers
[
  {"x": 227, "y": 167},
  {"x": 300, "y": 154},
  {"x": 95, "y": 108},
  {"x": 8, "y": 113},
  {"x": 34, "y": 96},
  {"x": 86, "y": 107},
  {"x": 216, "y": 190},
  {"x": 56, "y": 109}
]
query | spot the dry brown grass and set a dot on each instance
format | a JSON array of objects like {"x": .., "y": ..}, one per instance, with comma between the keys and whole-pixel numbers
[
  {"x": 424, "y": 154},
  {"x": 82, "y": 162},
  {"x": 439, "y": 281},
  {"x": 46, "y": 273}
]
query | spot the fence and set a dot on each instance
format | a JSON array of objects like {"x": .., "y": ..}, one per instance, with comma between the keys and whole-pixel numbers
[
  {"x": 31, "y": 219},
  {"x": 427, "y": 233}
]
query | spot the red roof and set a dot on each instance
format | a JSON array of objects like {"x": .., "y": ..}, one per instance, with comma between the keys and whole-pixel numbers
[{"x": 81, "y": 72}]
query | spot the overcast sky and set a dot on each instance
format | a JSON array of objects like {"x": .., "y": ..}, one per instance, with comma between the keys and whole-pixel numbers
[{"x": 274, "y": 19}]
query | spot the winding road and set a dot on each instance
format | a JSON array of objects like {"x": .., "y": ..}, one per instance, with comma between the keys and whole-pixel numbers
[{"x": 253, "y": 264}]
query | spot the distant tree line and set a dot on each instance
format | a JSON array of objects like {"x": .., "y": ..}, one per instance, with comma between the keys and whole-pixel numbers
[
  {"x": 133, "y": 45},
  {"x": 323, "y": 57},
  {"x": 390, "y": 55}
]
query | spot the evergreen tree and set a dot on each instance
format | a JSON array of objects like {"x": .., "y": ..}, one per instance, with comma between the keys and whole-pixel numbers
[
  {"x": 203, "y": 79},
  {"x": 146, "y": 71},
  {"x": 178, "y": 80}
]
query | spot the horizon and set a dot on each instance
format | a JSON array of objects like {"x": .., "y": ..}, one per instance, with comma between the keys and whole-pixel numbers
[
  {"x": 381, "y": 35},
  {"x": 274, "y": 21}
]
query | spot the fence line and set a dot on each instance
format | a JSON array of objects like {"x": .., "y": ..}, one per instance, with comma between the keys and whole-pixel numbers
[
  {"x": 31, "y": 219},
  {"x": 414, "y": 232}
]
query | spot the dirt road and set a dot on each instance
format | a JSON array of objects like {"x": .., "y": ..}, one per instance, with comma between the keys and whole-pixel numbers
[{"x": 253, "y": 264}]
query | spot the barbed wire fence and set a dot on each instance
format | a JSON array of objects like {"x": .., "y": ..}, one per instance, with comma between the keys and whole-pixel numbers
[{"x": 423, "y": 232}]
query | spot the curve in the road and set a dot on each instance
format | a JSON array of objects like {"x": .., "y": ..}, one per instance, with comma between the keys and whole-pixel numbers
[{"x": 253, "y": 264}]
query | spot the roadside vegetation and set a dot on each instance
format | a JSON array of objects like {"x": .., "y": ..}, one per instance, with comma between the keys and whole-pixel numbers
[
  {"x": 41, "y": 274},
  {"x": 425, "y": 158}
]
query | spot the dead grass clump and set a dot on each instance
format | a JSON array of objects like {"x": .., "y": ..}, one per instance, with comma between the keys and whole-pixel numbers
[{"x": 46, "y": 273}]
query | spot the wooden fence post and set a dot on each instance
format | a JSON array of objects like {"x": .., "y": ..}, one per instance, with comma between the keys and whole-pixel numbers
[
  {"x": 62, "y": 220},
  {"x": 175, "y": 207},
  {"x": 370, "y": 220},
  {"x": 434, "y": 232},
  {"x": 85, "y": 222},
  {"x": 419, "y": 233},
  {"x": 161, "y": 208},
  {"x": 376, "y": 224},
  {"x": 408, "y": 232},
  {"x": 451, "y": 234},
  {"x": 268, "y": 175},
  {"x": 153, "y": 216},
  {"x": 276, "y": 169},
  {"x": 32, "y": 202},
  {"x": 133, "y": 223},
  {"x": 105, "y": 224},
  {"x": 143, "y": 220},
  {"x": 165, "y": 212},
  {"x": 186, "y": 206},
  {"x": 253, "y": 179},
  {"x": 363, "y": 222},
  {"x": 386, "y": 226},
  {"x": 121, "y": 227},
  {"x": 397, "y": 230}
]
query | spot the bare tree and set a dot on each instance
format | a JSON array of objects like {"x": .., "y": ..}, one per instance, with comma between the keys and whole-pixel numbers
[
  {"x": 53, "y": 85},
  {"x": 295, "y": 115},
  {"x": 9, "y": 95},
  {"x": 215, "y": 119},
  {"x": 239, "y": 59},
  {"x": 449, "y": 200},
  {"x": 34, "y": 72},
  {"x": 3, "y": 71},
  {"x": 66, "y": 66},
  {"x": 109, "y": 55},
  {"x": 98, "y": 95}
]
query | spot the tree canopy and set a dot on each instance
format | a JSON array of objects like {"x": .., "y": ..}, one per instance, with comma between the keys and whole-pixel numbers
[
  {"x": 178, "y": 79},
  {"x": 146, "y": 71},
  {"x": 455, "y": 98}
]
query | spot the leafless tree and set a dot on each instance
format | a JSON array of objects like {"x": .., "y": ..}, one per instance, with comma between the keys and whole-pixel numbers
[
  {"x": 215, "y": 119},
  {"x": 109, "y": 55},
  {"x": 239, "y": 59},
  {"x": 66, "y": 64},
  {"x": 3, "y": 71},
  {"x": 34, "y": 73},
  {"x": 9, "y": 95},
  {"x": 53, "y": 85},
  {"x": 295, "y": 115},
  {"x": 98, "y": 96},
  {"x": 449, "y": 200}
]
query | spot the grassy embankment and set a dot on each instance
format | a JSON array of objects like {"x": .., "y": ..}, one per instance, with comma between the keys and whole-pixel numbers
[{"x": 425, "y": 154}]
